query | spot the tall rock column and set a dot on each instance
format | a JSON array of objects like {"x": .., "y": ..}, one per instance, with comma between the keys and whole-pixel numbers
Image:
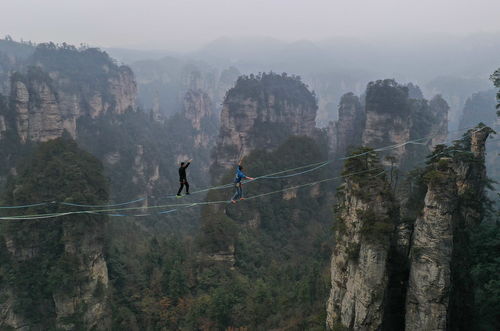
[
  {"x": 261, "y": 112},
  {"x": 359, "y": 266},
  {"x": 429, "y": 282},
  {"x": 388, "y": 118},
  {"x": 348, "y": 130},
  {"x": 439, "y": 293},
  {"x": 439, "y": 109},
  {"x": 53, "y": 273}
]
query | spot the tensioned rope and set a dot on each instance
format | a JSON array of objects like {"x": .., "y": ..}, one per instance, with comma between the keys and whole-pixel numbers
[
  {"x": 185, "y": 205},
  {"x": 285, "y": 189},
  {"x": 316, "y": 166}
]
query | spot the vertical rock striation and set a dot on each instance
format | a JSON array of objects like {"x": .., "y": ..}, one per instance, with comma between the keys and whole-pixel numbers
[
  {"x": 260, "y": 112},
  {"x": 418, "y": 276},
  {"x": 199, "y": 111},
  {"x": 439, "y": 110},
  {"x": 431, "y": 254},
  {"x": 38, "y": 115},
  {"x": 348, "y": 130},
  {"x": 49, "y": 98},
  {"x": 366, "y": 215},
  {"x": 439, "y": 289},
  {"x": 388, "y": 119},
  {"x": 392, "y": 115},
  {"x": 53, "y": 274}
]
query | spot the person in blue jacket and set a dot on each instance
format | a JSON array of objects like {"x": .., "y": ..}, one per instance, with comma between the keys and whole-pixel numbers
[{"x": 238, "y": 195}]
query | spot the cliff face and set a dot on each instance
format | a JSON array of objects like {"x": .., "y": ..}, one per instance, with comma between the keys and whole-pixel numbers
[
  {"x": 392, "y": 114},
  {"x": 431, "y": 253},
  {"x": 163, "y": 83},
  {"x": 13, "y": 55},
  {"x": 53, "y": 272},
  {"x": 424, "y": 276},
  {"x": 330, "y": 87},
  {"x": 45, "y": 105},
  {"x": 260, "y": 113},
  {"x": 387, "y": 116},
  {"x": 83, "y": 304},
  {"x": 480, "y": 107},
  {"x": 36, "y": 122},
  {"x": 439, "y": 290},
  {"x": 346, "y": 132},
  {"x": 359, "y": 265},
  {"x": 199, "y": 111},
  {"x": 439, "y": 111}
]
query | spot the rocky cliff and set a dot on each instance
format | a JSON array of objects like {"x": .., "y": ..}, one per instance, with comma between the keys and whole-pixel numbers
[
  {"x": 53, "y": 272},
  {"x": 439, "y": 112},
  {"x": 200, "y": 112},
  {"x": 260, "y": 112},
  {"x": 424, "y": 263},
  {"x": 48, "y": 99},
  {"x": 13, "y": 56},
  {"x": 163, "y": 83},
  {"x": 391, "y": 114},
  {"x": 480, "y": 107},
  {"x": 428, "y": 292},
  {"x": 439, "y": 289},
  {"x": 387, "y": 116},
  {"x": 366, "y": 215},
  {"x": 347, "y": 131},
  {"x": 259, "y": 117}
]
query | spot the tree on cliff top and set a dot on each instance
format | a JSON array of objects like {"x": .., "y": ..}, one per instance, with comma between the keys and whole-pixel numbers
[
  {"x": 496, "y": 81},
  {"x": 387, "y": 96},
  {"x": 83, "y": 68},
  {"x": 282, "y": 87},
  {"x": 57, "y": 171}
]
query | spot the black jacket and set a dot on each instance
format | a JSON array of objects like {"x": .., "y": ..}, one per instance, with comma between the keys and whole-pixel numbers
[{"x": 182, "y": 172}]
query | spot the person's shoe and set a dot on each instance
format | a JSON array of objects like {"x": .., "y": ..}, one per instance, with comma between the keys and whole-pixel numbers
[
  {"x": 233, "y": 201},
  {"x": 187, "y": 193},
  {"x": 179, "y": 196},
  {"x": 242, "y": 198}
]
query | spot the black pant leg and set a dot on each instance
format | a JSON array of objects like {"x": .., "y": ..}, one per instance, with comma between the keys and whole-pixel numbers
[
  {"x": 180, "y": 188},
  {"x": 187, "y": 186}
]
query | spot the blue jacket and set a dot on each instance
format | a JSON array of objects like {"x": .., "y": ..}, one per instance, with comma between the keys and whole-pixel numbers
[{"x": 239, "y": 175}]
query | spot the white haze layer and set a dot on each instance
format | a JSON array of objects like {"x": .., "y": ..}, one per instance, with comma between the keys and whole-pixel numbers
[{"x": 188, "y": 24}]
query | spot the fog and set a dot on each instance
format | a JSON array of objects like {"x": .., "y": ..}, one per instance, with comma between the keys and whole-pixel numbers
[{"x": 187, "y": 24}]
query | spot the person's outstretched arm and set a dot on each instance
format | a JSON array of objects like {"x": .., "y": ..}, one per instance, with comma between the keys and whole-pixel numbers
[
  {"x": 246, "y": 177},
  {"x": 188, "y": 163}
]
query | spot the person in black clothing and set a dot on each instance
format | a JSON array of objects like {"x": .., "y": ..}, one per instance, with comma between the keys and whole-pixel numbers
[{"x": 182, "y": 177}]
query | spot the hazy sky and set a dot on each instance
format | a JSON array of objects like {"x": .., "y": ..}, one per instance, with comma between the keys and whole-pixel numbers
[{"x": 171, "y": 24}]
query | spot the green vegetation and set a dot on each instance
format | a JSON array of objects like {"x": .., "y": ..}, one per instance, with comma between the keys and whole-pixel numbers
[
  {"x": 283, "y": 87},
  {"x": 422, "y": 124},
  {"x": 21, "y": 50},
  {"x": 486, "y": 275},
  {"x": 369, "y": 181},
  {"x": 496, "y": 81},
  {"x": 281, "y": 251},
  {"x": 136, "y": 136},
  {"x": 41, "y": 265},
  {"x": 11, "y": 149},
  {"x": 84, "y": 69},
  {"x": 387, "y": 96},
  {"x": 475, "y": 302},
  {"x": 365, "y": 173},
  {"x": 375, "y": 228}
]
